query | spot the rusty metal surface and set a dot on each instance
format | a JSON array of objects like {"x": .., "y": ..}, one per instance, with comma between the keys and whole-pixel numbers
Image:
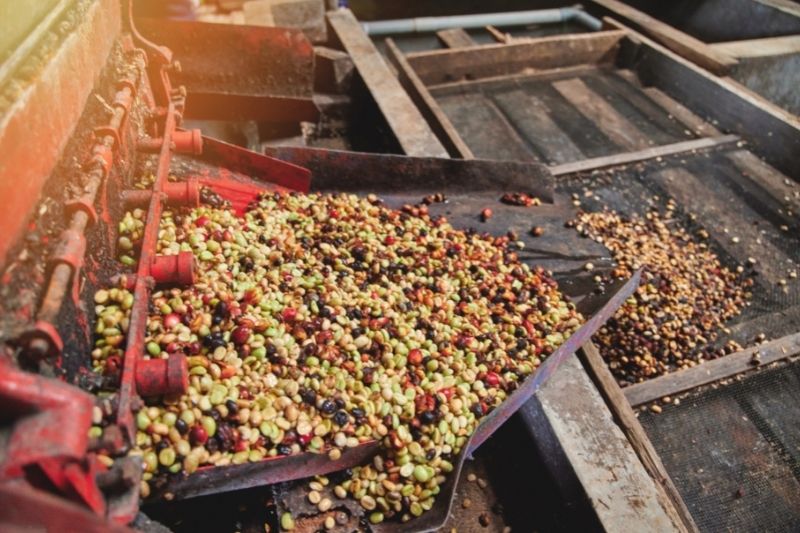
[
  {"x": 211, "y": 480},
  {"x": 335, "y": 170},
  {"x": 234, "y": 72},
  {"x": 25, "y": 509}
]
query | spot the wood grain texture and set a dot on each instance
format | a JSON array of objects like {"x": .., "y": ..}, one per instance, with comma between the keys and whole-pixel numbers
[
  {"x": 712, "y": 371},
  {"x": 584, "y": 446},
  {"x": 405, "y": 120},
  {"x": 427, "y": 104},
  {"x": 633, "y": 430},
  {"x": 644, "y": 155},
  {"x": 455, "y": 38},
  {"x": 684, "y": 44},
  {"x": 594, "y": 107},
  {"x": 769, "y": 46},
  {"x": 440, "y": 66}
]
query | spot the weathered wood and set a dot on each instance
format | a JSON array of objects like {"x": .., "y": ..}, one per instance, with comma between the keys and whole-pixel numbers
[
  {"x": 439, "y": 66},
  {"x": 591, "y": 105},
  {"x": 774, "y": 132},
  {"x": 769, "y": 46},
  {"x": 687, "y": 46},
  {"x": 427, "y": 104},
  {"x": 333, "y": 70},
  {"x": 681, "y": 113},
  {"x": 712, "y": 371},
  {"x": 590, "y": 457},
  {"x": 721, "y": 219},
  {"x": 530, "y": 116},
  {"x": 777, "y": 185},
  {"x": 406, "y": 122},
  {"x": 455, "y": 38},
  {"x": 500, "y": 82},
  {"x": 484, "y": 128},
  {"x": 643, "y": 155},
  {"x": 498, "y": 35},
  {"x": 633, "y": 430}
]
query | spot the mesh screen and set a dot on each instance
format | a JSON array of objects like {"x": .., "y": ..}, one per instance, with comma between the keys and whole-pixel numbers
[{"x": 733, "y": 451}]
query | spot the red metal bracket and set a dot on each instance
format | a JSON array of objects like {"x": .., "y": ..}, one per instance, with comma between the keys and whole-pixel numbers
[
  {"x": 155, "y": 377},
  {"x": 43, "y": 339},
  {"x": 183, "y": 142},
  {"x": 177, "y": 194},
  {"x": 84, "y": 204},
  {"x": 102, "y": 131}
]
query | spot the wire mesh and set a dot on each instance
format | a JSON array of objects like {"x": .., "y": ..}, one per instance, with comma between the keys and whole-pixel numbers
[{"x": 733, "y": 451}]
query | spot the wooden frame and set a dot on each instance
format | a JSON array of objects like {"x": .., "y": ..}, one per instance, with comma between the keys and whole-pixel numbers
[
  {"x": 665, "y": 75},
  {"x": 426, "y": 103},
  {"x": 627, "y": 420},
  {"x": 440, "y": 66},
  {"x": 406, "y": 122},
  {"x": 667, "y": 79},
  {"x": 695, "y": 50},
  {"x": 713, "y": 371}
]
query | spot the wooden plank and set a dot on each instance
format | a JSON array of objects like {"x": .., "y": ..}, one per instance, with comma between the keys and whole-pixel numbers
[
  {"x": 504, "y": 81},
  {"x": 774, "y": 132},
  {"x": 770, "y": 46},
  {"x": 406, "y": 122},
  {"x": 782, "y": 189},
  {"x": 681, "y": 113},
  {"x": 629, "y": 423},
  {"x": 687, "y": 46},
  {"x": 455, "y": 38},
  {"x": 590, "y": 457},
  {"x": 498, "y": 35},
  {"x": 440, "y": 66},
  {"x": 712, "y": 371},
  {"x": 594, "y": 107},
  {"x": 643, "y": 155},
  {"x": 530, "y": 116},
  {"x": 427, "y": 104},
  {"x": 484, "y": 128},
  {"x": 723, "y": 220}
]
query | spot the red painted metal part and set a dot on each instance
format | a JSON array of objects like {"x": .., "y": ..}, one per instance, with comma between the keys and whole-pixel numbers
[
  {"x": 25, "y": 509},
  {"x": 268, "y": 73},
  {"x": 162, "y": 376},
  {"x": 178, "y": 194},
  {"x": 183, "y": 142},
  {"x": 230, "y": 158},
  {"x": 49, "y": 435},
  {"x": 173, "y": 269}
]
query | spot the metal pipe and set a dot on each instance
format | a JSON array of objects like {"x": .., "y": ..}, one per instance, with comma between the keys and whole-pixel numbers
[{"x": 511, "y": 18}]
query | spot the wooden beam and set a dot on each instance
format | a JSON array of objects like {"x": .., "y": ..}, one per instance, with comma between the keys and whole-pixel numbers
[
  {"x": 681, "y": 113},
  {"x": 770, "y": 46},
  {"x": 643, "y": 155},
  {"x": 427, "y": 104},
  {"x": 633, "y": 430},
  {"x": 590, "y": 457},
  {"x": 772, "y": 131},
  {"x": 783, "y": 190},
  {"x": 405, "y": 120},
  {"x": 440, "y": 66},
  {"x": 711, "y": 371},
  {"x": 498, "y": 35},
  {"x": 455, "y": 38},
  {"x": 503, "y": 81},
  {"x": 607, "y": 119},
  {"x": 692, "y": 49},
  {"x": 530, "y": 116}
]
